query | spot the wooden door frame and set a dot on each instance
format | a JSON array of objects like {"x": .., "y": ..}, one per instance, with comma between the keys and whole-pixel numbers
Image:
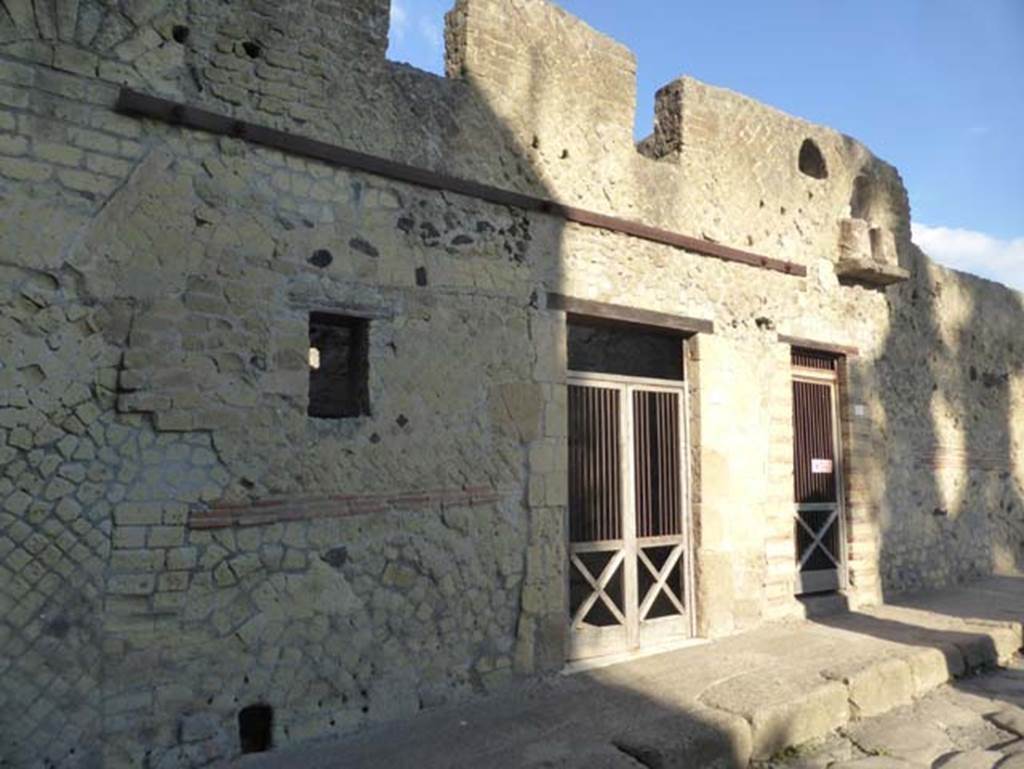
[
  {"x": 831, "y": 379},
  {"x": 626, "y": 385}
]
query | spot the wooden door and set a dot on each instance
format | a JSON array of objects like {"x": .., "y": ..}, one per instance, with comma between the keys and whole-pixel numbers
[
  {"x": 817, "y": 473},
  {"x": 630, "y": 569}
]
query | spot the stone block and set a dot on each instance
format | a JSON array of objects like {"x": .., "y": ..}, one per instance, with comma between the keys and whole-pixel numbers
[
  {"x": 138, "y": 561},
  {"x": 52, "y": 152},
  {"x": 84, "y": 181},
  {"x": 988, "y": 647},
  {"x": 184, "y": 558},
  {"x": 973, "y": 759},
  {"x": 904, "y": 739},
  {"x": 883, "y": 246},
  {"x": 24, "y": 170},
  {"x": 197, "y": 727},
  {"x": 175, "y": 513},
  {"x": 13, "y": 145},
  {"x": 875, "y": 762},
  {"x": 17, "y": 503},
  {"x": 13, "y": 97},
  {"x": 131, "y": 584},
  {"x": 68, "y": 509},
  {"x": 519, "y": 407},
  {"x": 931, "y": 668},
  {"x": 138, "y": 513},
  {"x": 94, "y": 140},
  {"x": 129, "y": 537},
  {"x": 74, "y": 60},
  {"x": 871, "y": 273},
  {"x": 813, "y": 715},
  {"x": 1010, "y": 718},
  {"x": 174, "y": 581},
  {"x": 880, "y": 687},
  {"x": 102, "y": 164},
  {"x": 166, "y": 536},
  {"x": 854, "y": 240}
]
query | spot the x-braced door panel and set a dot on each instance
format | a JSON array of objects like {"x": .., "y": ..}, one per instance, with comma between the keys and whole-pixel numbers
[
  {"x": 629, "y": 559},
  {"x": 596, "y": 500},
  {"x": 819, "y": 524}
]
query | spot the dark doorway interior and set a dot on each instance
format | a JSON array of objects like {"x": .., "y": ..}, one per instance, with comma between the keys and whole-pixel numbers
[{"x": 624, "y": 349}]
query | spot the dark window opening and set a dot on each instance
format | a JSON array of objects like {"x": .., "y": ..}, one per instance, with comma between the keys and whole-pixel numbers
[
  {"x": 625, "y": 350},
  {"x": 338, "y": 366},
  {"x": 812, "y": 162},
  {"x": 819, "y": 359},
  {"x": 256, "y": 728}
]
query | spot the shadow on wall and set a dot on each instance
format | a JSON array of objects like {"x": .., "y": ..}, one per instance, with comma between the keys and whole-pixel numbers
[
  {"x": 949, "y": 500},
  {"x": 577, "y": 721},
  {"x": 433, "y": 601}
]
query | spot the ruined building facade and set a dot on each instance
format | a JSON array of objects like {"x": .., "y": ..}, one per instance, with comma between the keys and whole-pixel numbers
[{"x": 362, "y": 390}]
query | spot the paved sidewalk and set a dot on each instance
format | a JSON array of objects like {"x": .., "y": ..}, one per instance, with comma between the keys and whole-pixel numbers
[
  {"x": 711, "y": 706},
  {"x": 974, "y": 723}
]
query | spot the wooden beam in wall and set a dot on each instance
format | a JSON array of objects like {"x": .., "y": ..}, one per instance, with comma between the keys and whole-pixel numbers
[
  {"x": 134, "y": 103},
  {"x": 811, "y": 344},
  {"x": 617, "y": 313}
]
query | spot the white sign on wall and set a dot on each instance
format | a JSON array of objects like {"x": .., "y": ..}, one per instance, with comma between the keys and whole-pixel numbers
[{"x": 821, "y": 466}]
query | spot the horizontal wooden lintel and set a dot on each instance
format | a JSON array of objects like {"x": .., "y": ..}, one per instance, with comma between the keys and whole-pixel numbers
[
  {"x": 616, "y": 313},
  {"x": 363, "y": 311},
  {"x": 811, "y": 344},
  {"x": 134, "y": 103}
]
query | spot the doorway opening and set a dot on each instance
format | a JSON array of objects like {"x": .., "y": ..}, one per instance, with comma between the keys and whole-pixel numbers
[
  {"x": 819, "y": 510},
  {"x": 630, "y": 566}
]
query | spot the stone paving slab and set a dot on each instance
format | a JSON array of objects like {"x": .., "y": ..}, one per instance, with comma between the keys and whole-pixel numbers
[
  {"x": 909, "y": 739},
  {"x": 722, "y": 704},
  {"x": 971, "y": 723}
]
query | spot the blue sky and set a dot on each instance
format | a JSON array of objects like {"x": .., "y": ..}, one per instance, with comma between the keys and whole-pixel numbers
[{"x": 935, "y": 87}]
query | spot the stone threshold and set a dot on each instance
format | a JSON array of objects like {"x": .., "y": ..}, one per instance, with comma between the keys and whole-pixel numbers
[
  {"x": 596, "y": 663},
  {"x": 717, "y": 706}
]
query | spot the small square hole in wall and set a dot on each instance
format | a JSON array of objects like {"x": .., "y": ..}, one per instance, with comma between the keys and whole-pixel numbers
[
  {"x": 338, "y": 366},
  {"x": 256, "y": 728}
]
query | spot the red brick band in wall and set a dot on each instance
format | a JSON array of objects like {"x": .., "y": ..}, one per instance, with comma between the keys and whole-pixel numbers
[{"x": 280, "y": 509}]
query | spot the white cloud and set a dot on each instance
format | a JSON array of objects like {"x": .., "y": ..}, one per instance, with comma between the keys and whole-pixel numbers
[
  {"x": 399, "y": 20},
  {"x": 432, "y": 33},
  {"x": 417, "y": 33},
  {"x": 976, "y": 252}
]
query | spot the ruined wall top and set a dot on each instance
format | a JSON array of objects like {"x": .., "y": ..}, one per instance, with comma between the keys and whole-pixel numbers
[
  {"x": 544, "y": 70},
  {"x": 534, "y": 100}
]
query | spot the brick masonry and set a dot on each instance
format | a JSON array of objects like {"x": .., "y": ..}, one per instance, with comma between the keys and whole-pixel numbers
[{"x": 179, "y": 540}]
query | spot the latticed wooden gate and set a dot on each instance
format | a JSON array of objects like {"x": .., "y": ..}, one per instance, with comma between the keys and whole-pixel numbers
[
  {"x": 817, "y": 472},
  {"x": 630, "y": 570}
]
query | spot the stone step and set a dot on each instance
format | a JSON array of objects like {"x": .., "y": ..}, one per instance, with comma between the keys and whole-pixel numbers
[{"x": 824, "y": 605}]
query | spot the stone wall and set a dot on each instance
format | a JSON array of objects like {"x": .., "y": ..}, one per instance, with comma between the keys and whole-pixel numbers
[
  {"x": 948, "y": 379},
  {"x": 178, "y": 539},
  {"x": 155, "y": 340}
]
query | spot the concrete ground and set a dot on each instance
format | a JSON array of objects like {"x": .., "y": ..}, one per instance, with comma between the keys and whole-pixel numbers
[{"x": 750, "y": 697}]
